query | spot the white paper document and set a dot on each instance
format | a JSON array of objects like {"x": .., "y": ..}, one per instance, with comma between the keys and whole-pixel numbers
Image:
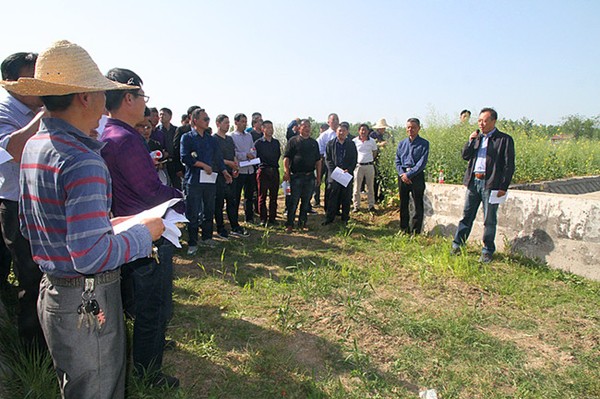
[
  {"x": 4, "y": 156},
  {"x": 255, "y": 161},
  {"x": 341, "y": 177},
  {"x": 169, "y": 216},
  {"x": 494, "y": 199},
  {"x": 206, "y": 178}
]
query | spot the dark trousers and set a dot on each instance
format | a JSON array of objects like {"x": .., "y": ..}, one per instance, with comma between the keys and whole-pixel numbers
[
  {"x": 151, "y": 286},
  {"x": 417, "y": 188},
  {"x": 302, "y": 185},
  {"x": 339, "y": 196},
  {"x": 248, "y": 184},
  {"x": 324, "y": 176},
  {"x": 267, "y": 180},
  {"x": 27, "y": 272},
  {"x": 225, "y": 196},
  {"x": 200, "y": 210},
  {"x": 173, "y": 178}
]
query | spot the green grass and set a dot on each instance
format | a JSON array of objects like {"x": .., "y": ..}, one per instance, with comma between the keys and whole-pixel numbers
[{"x": 365, "y": 312}]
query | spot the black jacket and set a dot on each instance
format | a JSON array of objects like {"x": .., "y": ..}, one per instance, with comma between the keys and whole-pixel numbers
[
  {"x": 499, "y": 164},
  {"x": 350, "y": 156}
]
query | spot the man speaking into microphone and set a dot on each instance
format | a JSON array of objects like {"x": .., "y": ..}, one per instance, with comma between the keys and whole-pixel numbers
[{"x": 491, "y": 157}]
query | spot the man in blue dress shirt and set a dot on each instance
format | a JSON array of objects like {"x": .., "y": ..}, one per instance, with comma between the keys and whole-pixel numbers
[{"x": 411, "y": 160}]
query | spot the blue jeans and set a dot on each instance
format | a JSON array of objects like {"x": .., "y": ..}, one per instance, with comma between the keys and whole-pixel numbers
[
  {"x": 302, "y": 185},
  {"x": 476, "y": 194},
  {"x": 200, "y": 210}
]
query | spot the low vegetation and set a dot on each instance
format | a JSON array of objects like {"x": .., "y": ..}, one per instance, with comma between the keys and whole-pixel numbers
[{"x": 364, "y": 312}]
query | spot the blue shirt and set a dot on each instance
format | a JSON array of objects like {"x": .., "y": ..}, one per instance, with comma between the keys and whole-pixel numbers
[
  {"x": 411, "y": 157},
  {"x": 14, "y": 115},
  {"x": 65, "y": 203},
  {"x": 482, "y": 153},
  {"x": 205, "y": 148}
]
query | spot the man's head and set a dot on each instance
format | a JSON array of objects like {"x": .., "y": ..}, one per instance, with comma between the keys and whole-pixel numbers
[
  {"x": 222, "y": 123},
  {"x": 185, "y": 119},
  {"x": 304, "y": 128},
  {"x": 200, "y": 120},
  {"x": 144, "y": 128},
  {"x": 165, "y": 115},
  {"x": 240, "y": 122},
  {"x": 487, "y": 120},
  {"x": 257, "y": 123},
  {"x": 333, "y": 121},
  {"x": 267, "y": 129},
  {"x": 154, "y": 117},
  {"x": 413, "y": 125},
  {"x": 70, "y": 85},
  {"x": 363, "y": 131},
  {"x": 342, "y": 131},
  {"x": 21, "y": 65},
  {"x": 323, "y": 127},
  {"x": 126, "y": 105},
  {"x": 465, "y": 116},
  {"x": 256, "y": 115}
]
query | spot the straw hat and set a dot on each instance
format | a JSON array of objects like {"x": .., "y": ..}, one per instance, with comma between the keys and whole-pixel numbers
[
  {"x": 64, "y": 68},
  {"x": 382, "y": 124}
]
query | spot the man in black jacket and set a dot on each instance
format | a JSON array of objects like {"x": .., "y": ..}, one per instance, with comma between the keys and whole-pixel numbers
[
  {"x": 491, "y": 156},
  {"x": 340, "y": 152}
]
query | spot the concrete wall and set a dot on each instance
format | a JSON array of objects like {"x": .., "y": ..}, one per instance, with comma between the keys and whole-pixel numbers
[{"x": 562, "y": 230}]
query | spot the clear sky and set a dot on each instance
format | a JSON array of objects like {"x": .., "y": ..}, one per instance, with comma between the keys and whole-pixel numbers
[{"x": 365, "y": 60}]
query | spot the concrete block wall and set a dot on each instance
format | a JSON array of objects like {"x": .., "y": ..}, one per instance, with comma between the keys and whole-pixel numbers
[{"x": 559, "y": 229}]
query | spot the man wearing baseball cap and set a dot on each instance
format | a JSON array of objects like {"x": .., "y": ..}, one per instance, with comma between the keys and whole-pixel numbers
[{"x": 64, "y": 206}]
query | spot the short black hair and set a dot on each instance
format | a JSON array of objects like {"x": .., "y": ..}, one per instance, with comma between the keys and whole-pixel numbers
[
  {"x": 167, "y": 110},
  {"x": 146, "y": 112},
  {"x": 267, "y": 122},
  {"x": 184, "y": 117},
  {"x": 221, "y": 118},
  {"x": 12, "y": 65},
  {"x": 239, "y": 116},
  {"x": 414, "y": 120},
  {"x": 153, "y": 110},
  {"x": 196, "y": 113},
  {"x": 465, "y": 111},
  {"x": 364, "y": 125},
  {"x": 256, "y": 114},
  {"x": 57, "y": 103},
  {"x": 492, "y": 112},
  {"x": 114, "y": 98},
  {"x": 345, "y": 125},
  {"x": 192, "y": 109}
]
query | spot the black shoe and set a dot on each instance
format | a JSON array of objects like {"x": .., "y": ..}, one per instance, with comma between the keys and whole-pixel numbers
[
  {"x": 239, "y": 232},
  {"x": 165, "y": 380}
]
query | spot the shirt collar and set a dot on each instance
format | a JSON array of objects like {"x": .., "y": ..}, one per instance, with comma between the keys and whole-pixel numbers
[
  {"x": 22, "y": 108},
  {"x": 54, "y": 124}
]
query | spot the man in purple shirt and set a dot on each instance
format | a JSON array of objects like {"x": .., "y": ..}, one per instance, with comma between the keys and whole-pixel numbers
[{"x": 137, "y": 187}]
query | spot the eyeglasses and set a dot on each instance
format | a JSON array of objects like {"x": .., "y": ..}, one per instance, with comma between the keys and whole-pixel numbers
[{"x": 145, "y": 97}]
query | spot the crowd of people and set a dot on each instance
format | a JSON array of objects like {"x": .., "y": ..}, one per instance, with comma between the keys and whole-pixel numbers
[{"x": 88, "y": 154}]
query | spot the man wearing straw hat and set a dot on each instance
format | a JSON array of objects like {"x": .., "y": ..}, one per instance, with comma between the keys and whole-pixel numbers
[
  {"x": 19, "y": 120},
  {"x": 64, "y": 205}
]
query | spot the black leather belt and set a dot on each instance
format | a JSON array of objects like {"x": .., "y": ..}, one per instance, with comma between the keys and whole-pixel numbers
[{"x": 366, "y": 163}]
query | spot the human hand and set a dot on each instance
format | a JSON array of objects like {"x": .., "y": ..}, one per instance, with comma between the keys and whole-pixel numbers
[{"x": 155, "y": 226}]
